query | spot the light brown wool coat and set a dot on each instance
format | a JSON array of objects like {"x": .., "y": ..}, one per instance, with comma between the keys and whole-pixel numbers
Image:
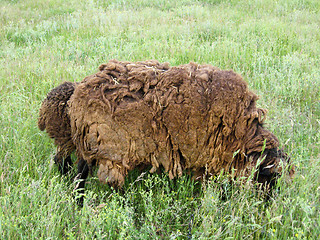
[{"x": 191, "y": 117}]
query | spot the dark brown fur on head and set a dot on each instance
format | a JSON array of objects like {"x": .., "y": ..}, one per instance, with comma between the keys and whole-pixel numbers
[{"x": 274, "y": 163}]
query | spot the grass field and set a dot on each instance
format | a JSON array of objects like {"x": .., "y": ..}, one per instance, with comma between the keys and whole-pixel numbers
[{"x": 275, "y": 45}]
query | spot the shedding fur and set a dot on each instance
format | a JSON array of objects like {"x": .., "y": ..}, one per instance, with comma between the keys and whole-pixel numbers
[{"x": 191, "y": 117}]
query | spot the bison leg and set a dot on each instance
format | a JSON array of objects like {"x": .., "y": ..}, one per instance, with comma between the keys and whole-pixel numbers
[
  {"x": 64, "y": 164},
  {"x": 63, "y": 157},
  {"x": 83, "y": 171}
]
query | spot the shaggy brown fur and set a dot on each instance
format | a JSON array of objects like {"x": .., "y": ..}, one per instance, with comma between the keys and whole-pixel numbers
[
  {"x": 55, "y": 120},
  {"x": 192, "y": 117}
]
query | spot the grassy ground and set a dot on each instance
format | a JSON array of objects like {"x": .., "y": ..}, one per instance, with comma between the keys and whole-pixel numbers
[{"x": 275, "y": 45}]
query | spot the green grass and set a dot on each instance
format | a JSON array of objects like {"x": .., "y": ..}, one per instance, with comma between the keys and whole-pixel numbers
[{"x": 275, "y": 45}]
